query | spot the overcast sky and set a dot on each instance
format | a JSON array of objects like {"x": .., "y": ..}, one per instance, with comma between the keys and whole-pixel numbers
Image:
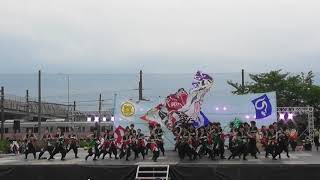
[{"x": 161, "y": 36}]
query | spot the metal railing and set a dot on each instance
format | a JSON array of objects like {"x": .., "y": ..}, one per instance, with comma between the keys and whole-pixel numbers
[{"x": 20, "y": 104}]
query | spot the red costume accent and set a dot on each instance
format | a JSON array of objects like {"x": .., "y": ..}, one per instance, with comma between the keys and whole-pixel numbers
[
  {"x": 210, "y": 140},
  {"x": 154, "y": 147}
]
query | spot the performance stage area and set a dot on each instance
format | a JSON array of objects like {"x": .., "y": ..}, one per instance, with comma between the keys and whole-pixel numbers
[{"x": 301, "y": 165}]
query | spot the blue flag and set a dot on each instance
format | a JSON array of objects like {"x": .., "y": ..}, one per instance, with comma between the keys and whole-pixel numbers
[
  {"x": 262, "y": 106},
  {"x": 203, "y": 121}
]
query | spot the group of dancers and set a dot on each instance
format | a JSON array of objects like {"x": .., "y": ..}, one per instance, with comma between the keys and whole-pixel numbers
[
  {"x": 53, "y": 144},
  {"x": 133, "y": 142},
  {"x": 194, "y": 143},
  {"x": 210, "y": 141}
]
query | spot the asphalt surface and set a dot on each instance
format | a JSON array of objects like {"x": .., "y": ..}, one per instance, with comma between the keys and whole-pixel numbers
[{"x": 171, "y": 157}]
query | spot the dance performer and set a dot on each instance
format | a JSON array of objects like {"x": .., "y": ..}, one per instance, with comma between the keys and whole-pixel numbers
[
  {"x": 93, "y": 148},
  {"x": 158, "y": 135},
  {"x": 30, "y": 140},
  {"x": 73, "y": 144},
  {"x": 60, "y": 146},
  {"x": 47, "y": 144}
]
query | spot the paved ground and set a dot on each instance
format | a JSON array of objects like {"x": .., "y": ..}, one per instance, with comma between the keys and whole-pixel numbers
[{"x": 170, "y": 158}]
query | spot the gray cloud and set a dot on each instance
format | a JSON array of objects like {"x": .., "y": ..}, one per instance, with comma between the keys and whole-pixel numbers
[{"x": 159, "y": 36}]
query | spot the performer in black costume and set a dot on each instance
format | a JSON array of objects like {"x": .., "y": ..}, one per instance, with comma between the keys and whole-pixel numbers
[
  {"x": 47, "y": 144},
  {"x": 30, "y": 140},
  {"x": 243, "y": 142},
  {"x": 231, "y": 133},
  {"x": 109, "y": 145},
  {"x": 60, "y": 146},
  {"x": 282, "y": 143},
  {"x": 221, "y": 141},
  {"x": 139, "y": 145},
  {"x": 73, "y": 144},
  {"x": 132, "y": 131},
  {"x": 159, "y": 133},
  {"x": 252, "y": 144},
  {"x": 154, "y": 147},
  {"x": 126, "y": 146},
  {"x": 151, "y": 131},
  {"x": 271, "y": 142},
  {"x": 204, "y": 147}
]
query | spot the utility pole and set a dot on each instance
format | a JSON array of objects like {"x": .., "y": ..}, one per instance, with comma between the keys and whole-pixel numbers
[
  {"x": 140, "y": 87},
  {"x": 68, "y": 79},
  {"x": 39, "y": 104},
  {"x": 74, "y": 106},
  {"x": 242, "y": 78},
  {"x": 2, "y": 112},
  {"x": 73, "y": 114},
  {"x": 100, "y": 104},
  {"x": 27, "y": 106},
  {"x": 114, "y": 104}
]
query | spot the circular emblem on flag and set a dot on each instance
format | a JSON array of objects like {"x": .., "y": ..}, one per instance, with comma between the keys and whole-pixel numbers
[{"x": 127, "y": 109}]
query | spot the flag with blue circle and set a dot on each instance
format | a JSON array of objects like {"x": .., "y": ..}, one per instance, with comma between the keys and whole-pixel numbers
[{"x": 262, "y": 106}]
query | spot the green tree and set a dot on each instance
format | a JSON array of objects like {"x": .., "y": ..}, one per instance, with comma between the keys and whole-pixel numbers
[{"x": 291, "y": 90}]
